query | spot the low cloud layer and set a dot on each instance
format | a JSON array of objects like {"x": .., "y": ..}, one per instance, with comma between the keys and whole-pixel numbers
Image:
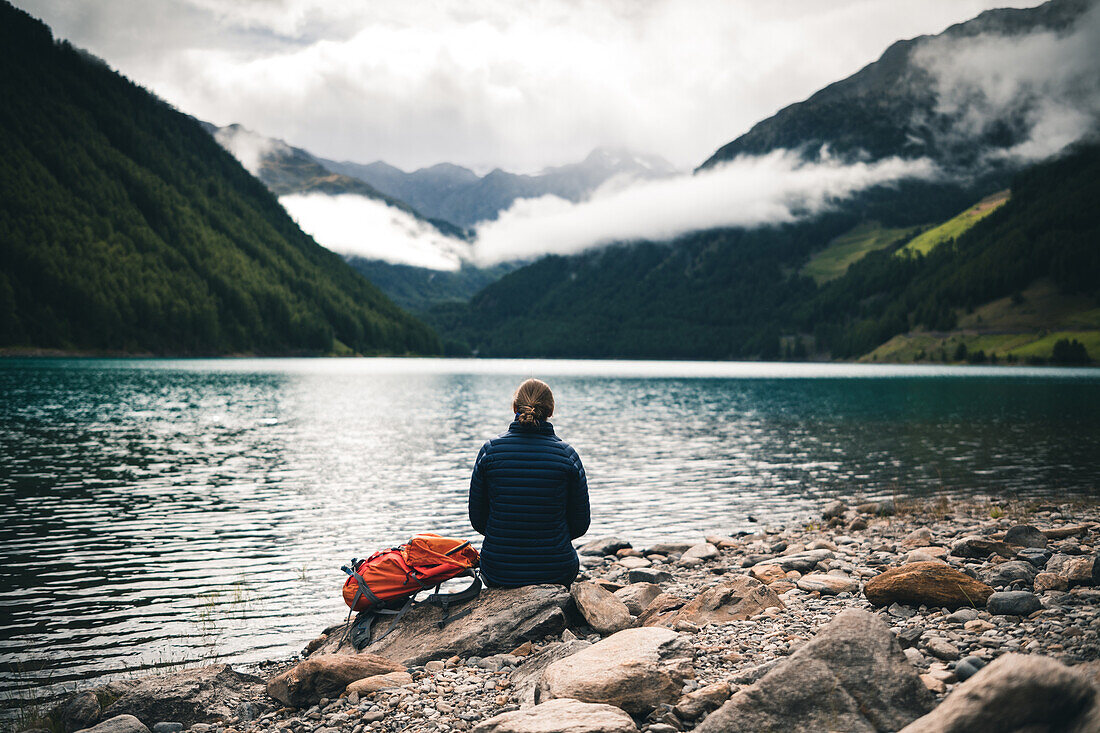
[
  {"x": 747, "y": 192},
  {"x": 356, "y": 225},
  {"x": 1047, "y": 82}
]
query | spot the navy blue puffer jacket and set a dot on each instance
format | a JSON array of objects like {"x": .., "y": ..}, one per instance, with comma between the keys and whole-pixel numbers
[{"x": 529, "y": 497}]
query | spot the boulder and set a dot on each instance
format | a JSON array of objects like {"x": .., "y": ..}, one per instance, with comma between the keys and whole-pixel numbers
[
  {"x": 635, "y": 669},
  {"x": 967, "y": 667},
  {"x": 560, "y": 716},
  {"x": 670, "y": 548},
  {"x": 326, "y": 675},
  {"x": 637, "y": 596},
  {"x": 852, "y": 676},
  {"x": 605, "y": 613},
  {"x": 525, "y": 678},
  {"x": 827, "y": 585},
  {"x": 704, "y": 552},
  {"x": 920, "y": 555},
  {"x": 1013, "y": 603},
  {"x": 500, "y": 619},
  {"x": 633, "y": 563},
  {"x": 927, "y": 583},
  {"x": 1049, "y": 581},
  {"x": 735, "y": 599},
  {"x": 980, "y": 547},
  {"x": 768, "y": 574},
  {"x": 800, "y": 561},
  {"x": 377, "y": 682},
  {"x": 834, "y": 509},
  {"x": 118, "y": 724},
  {"x": 1037, "y": 556},
  {"x": 1060, "y": 533},
  {"x": 1075, "y": 569},
  {"x": 1011, "y": 572},
  {"x": 649, "y": 575},
  {"x": 661, "y": 609},
  {"x": 698, "y": 703},
  {"x": 941, "y": 648},
  {"x": 1024, "y": 535},
  {"x": 917, "y": 538},
  {"x": 603, "y": 546},
  {"x": 1016, "y": 692},
  {"x": 78, "y": 711},
  {"x": 189, "y": 696}
]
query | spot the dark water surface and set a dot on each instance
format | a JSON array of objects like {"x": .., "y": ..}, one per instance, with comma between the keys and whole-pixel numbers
[{"x": 161, "y": 512}]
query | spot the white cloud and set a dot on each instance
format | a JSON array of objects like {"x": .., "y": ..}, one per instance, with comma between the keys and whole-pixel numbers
[
  {"x": 748, "y": 191},
  {"x": 486, "y": 83},
  {"x": 1049, "y": 80},
  {"x": 246, "y": 146},
  {"x": 357, "y": 225}
]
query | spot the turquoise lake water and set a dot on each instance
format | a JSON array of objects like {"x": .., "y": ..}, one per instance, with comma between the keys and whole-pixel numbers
[{"x": 160, "y": 512}]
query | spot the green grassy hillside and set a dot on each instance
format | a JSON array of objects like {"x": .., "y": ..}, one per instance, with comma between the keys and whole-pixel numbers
[
  {"x": 1025, "y": 271},
  {"x": 124, "y": 227},
  {"x": 1021, "y": 328},
  {"x": 956, "y": 226},
  {"x": 833, "y": 261}
]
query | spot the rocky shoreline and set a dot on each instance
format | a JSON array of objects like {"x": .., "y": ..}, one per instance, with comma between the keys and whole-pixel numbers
[{"x": 876, "y": 617}]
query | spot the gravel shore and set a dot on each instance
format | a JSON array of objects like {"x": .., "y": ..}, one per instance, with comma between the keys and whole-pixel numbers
[{"x": 1044, "y": 602}]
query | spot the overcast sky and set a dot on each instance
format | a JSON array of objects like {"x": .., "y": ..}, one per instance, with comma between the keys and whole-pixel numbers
[{"x": 493, "y": 83}]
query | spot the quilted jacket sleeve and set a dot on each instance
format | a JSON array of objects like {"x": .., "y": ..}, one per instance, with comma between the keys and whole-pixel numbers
[
  {"x": 479, "y": 492},
  {"x": 578, "y": 512}
]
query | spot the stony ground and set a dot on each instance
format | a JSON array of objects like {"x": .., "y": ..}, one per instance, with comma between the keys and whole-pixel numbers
[
  {"x": 454, "y": 695},
  {"x": 1055, "y": 612}
]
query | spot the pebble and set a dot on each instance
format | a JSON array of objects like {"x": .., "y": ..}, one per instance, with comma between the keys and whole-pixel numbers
[{"x": 968, "y": 667}]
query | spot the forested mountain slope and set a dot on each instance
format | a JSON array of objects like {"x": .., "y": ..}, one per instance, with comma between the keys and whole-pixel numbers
[
  {"x": 738, "y": 293},
  {"x": 1047, "y": 234},
  {"x": 124, "y": 227}
]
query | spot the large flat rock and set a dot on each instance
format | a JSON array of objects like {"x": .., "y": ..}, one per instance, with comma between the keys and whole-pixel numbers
[
  {"x": 500, "y": 619},
  {"x": 326, "y": 675},
  {"x": 190, "y": 696},
  {"x": 561, "y": 716},
  {"x": 635, "y": 669},
  {"x": 851, "y": 677}
]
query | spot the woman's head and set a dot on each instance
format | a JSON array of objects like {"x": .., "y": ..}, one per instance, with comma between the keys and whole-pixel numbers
[{"x": 533, "y": 402}]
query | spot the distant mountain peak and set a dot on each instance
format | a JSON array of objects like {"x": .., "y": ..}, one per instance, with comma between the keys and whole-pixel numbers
[
  {"x": 964, "y": 98},
  {"x": 619, "y": 158}
]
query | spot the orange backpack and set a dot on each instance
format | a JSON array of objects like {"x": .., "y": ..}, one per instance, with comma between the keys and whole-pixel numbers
[{"x": 425, "y": 561}]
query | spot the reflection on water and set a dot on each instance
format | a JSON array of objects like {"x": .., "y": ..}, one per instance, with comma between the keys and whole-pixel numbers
[{"x": 159, "y": 512}]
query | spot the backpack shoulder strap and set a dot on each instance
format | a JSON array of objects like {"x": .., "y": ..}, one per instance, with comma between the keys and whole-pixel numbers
[{"x": 445, "y": 600}]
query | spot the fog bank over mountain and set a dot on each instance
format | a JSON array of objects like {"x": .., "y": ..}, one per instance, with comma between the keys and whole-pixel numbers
[
  {"x": 751, "y": 191},
  {"x": 354, "y": 225}
]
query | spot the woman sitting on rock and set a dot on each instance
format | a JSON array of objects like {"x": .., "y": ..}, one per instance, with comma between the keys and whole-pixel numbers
[{"x": 529, "y": 497}]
